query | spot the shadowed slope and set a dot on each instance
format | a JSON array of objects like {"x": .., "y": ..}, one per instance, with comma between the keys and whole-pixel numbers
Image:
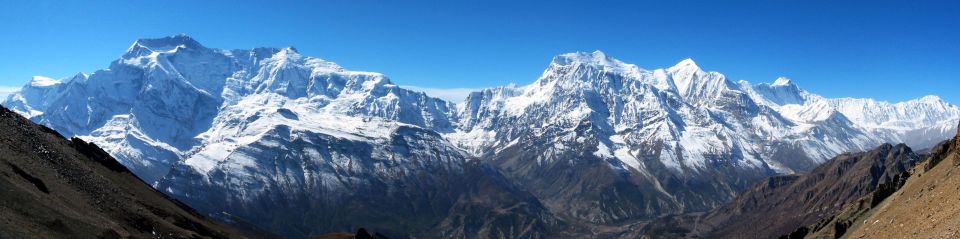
[
  {"x": 55, "y": 188},
  {"x": 780, "y": 204},
  {"x": 922, "y": 204}
]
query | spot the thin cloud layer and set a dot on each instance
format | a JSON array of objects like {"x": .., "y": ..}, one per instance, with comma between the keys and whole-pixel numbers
[{"x": 7, "y": 90}]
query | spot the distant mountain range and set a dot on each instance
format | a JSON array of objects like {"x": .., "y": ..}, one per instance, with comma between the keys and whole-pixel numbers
[{"x": 302, "y": 146}]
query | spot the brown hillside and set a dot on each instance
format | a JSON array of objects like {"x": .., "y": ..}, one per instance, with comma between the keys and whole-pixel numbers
[{"x": 51, "y": 187}]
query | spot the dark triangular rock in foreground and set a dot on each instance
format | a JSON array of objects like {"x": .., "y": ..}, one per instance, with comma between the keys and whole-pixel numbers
[{"x": 51, "y": 187}]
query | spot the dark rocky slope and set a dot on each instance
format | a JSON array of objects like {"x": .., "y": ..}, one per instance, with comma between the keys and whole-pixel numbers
[
  {"x": 922, "y": 204},
  {"x": 51, "y": 187},
  {"x": 780, "y": 204}
]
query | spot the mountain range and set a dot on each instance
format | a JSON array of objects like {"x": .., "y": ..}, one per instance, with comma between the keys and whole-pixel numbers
[{"x": 302, "y": 146}]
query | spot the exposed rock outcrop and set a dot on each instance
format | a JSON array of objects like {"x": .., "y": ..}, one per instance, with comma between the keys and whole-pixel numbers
[{"x": 51, "y": 187}]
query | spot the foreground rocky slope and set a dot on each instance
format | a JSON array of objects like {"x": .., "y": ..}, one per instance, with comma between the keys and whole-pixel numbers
[
  {"x": 780, "y": 204},
  {"x": 922, "y": 204},
  {"x": 58, "y": 188},
  {"x": 887, "y": 192}
]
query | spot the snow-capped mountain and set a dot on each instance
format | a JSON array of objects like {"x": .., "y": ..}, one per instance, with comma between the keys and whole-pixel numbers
[
  {"x": 694, "y": 113},
  {"x": 41, "y": 92},
  {"x": 291, "y": 143},
  {"x": 681, "y": 138},
  {"x": 922, "y": 122},
  {"x": 165, "y": 99},
  {"x": 276, "y": 138}
]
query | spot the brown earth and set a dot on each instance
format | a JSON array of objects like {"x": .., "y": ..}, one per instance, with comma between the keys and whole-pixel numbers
[
  {"x": 924, "y": 204},
  {"x": 51, "y": 187},
  {"x": 780, "y": 204},
  {"x": 338, "y": 235},
  {"x": 927, "y": 206}
]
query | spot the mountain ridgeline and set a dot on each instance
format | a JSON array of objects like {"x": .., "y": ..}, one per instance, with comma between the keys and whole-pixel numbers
[{"x": 593, "y": 148}]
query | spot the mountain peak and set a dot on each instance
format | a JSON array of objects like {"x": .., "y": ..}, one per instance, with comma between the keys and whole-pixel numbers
[
  {"x": 175, "y": 40},
  {"x": 592, "y": 58},
  {"x": 782, "y": 81},
  {"x": 596, "y": 59},
  {"x": 168, "y": 43},
  {"x": 931, "y": 98},
  {"x": 78, "y": 76},
  {"x": 685, "y": 64},
  {"x": 288, "y": 52}
]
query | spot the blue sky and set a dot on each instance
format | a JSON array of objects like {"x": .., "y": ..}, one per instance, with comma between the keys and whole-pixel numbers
[{"x": 889, "y": 50}]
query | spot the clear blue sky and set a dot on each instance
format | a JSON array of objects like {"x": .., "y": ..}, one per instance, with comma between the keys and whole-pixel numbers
[{"x": 889, "y": 50}]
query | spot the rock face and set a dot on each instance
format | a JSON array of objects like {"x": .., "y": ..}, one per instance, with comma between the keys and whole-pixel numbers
[
  {"x": 780, "y": 204},
  {"x": 913, "y": 206},
  {"x": 839, "y": 199},
  {"x": 58, "y": 188},
  {"x": 402, "y": 185},
  {"x": 285, "y": 140},
  {"x": 919, "y": 208}
]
